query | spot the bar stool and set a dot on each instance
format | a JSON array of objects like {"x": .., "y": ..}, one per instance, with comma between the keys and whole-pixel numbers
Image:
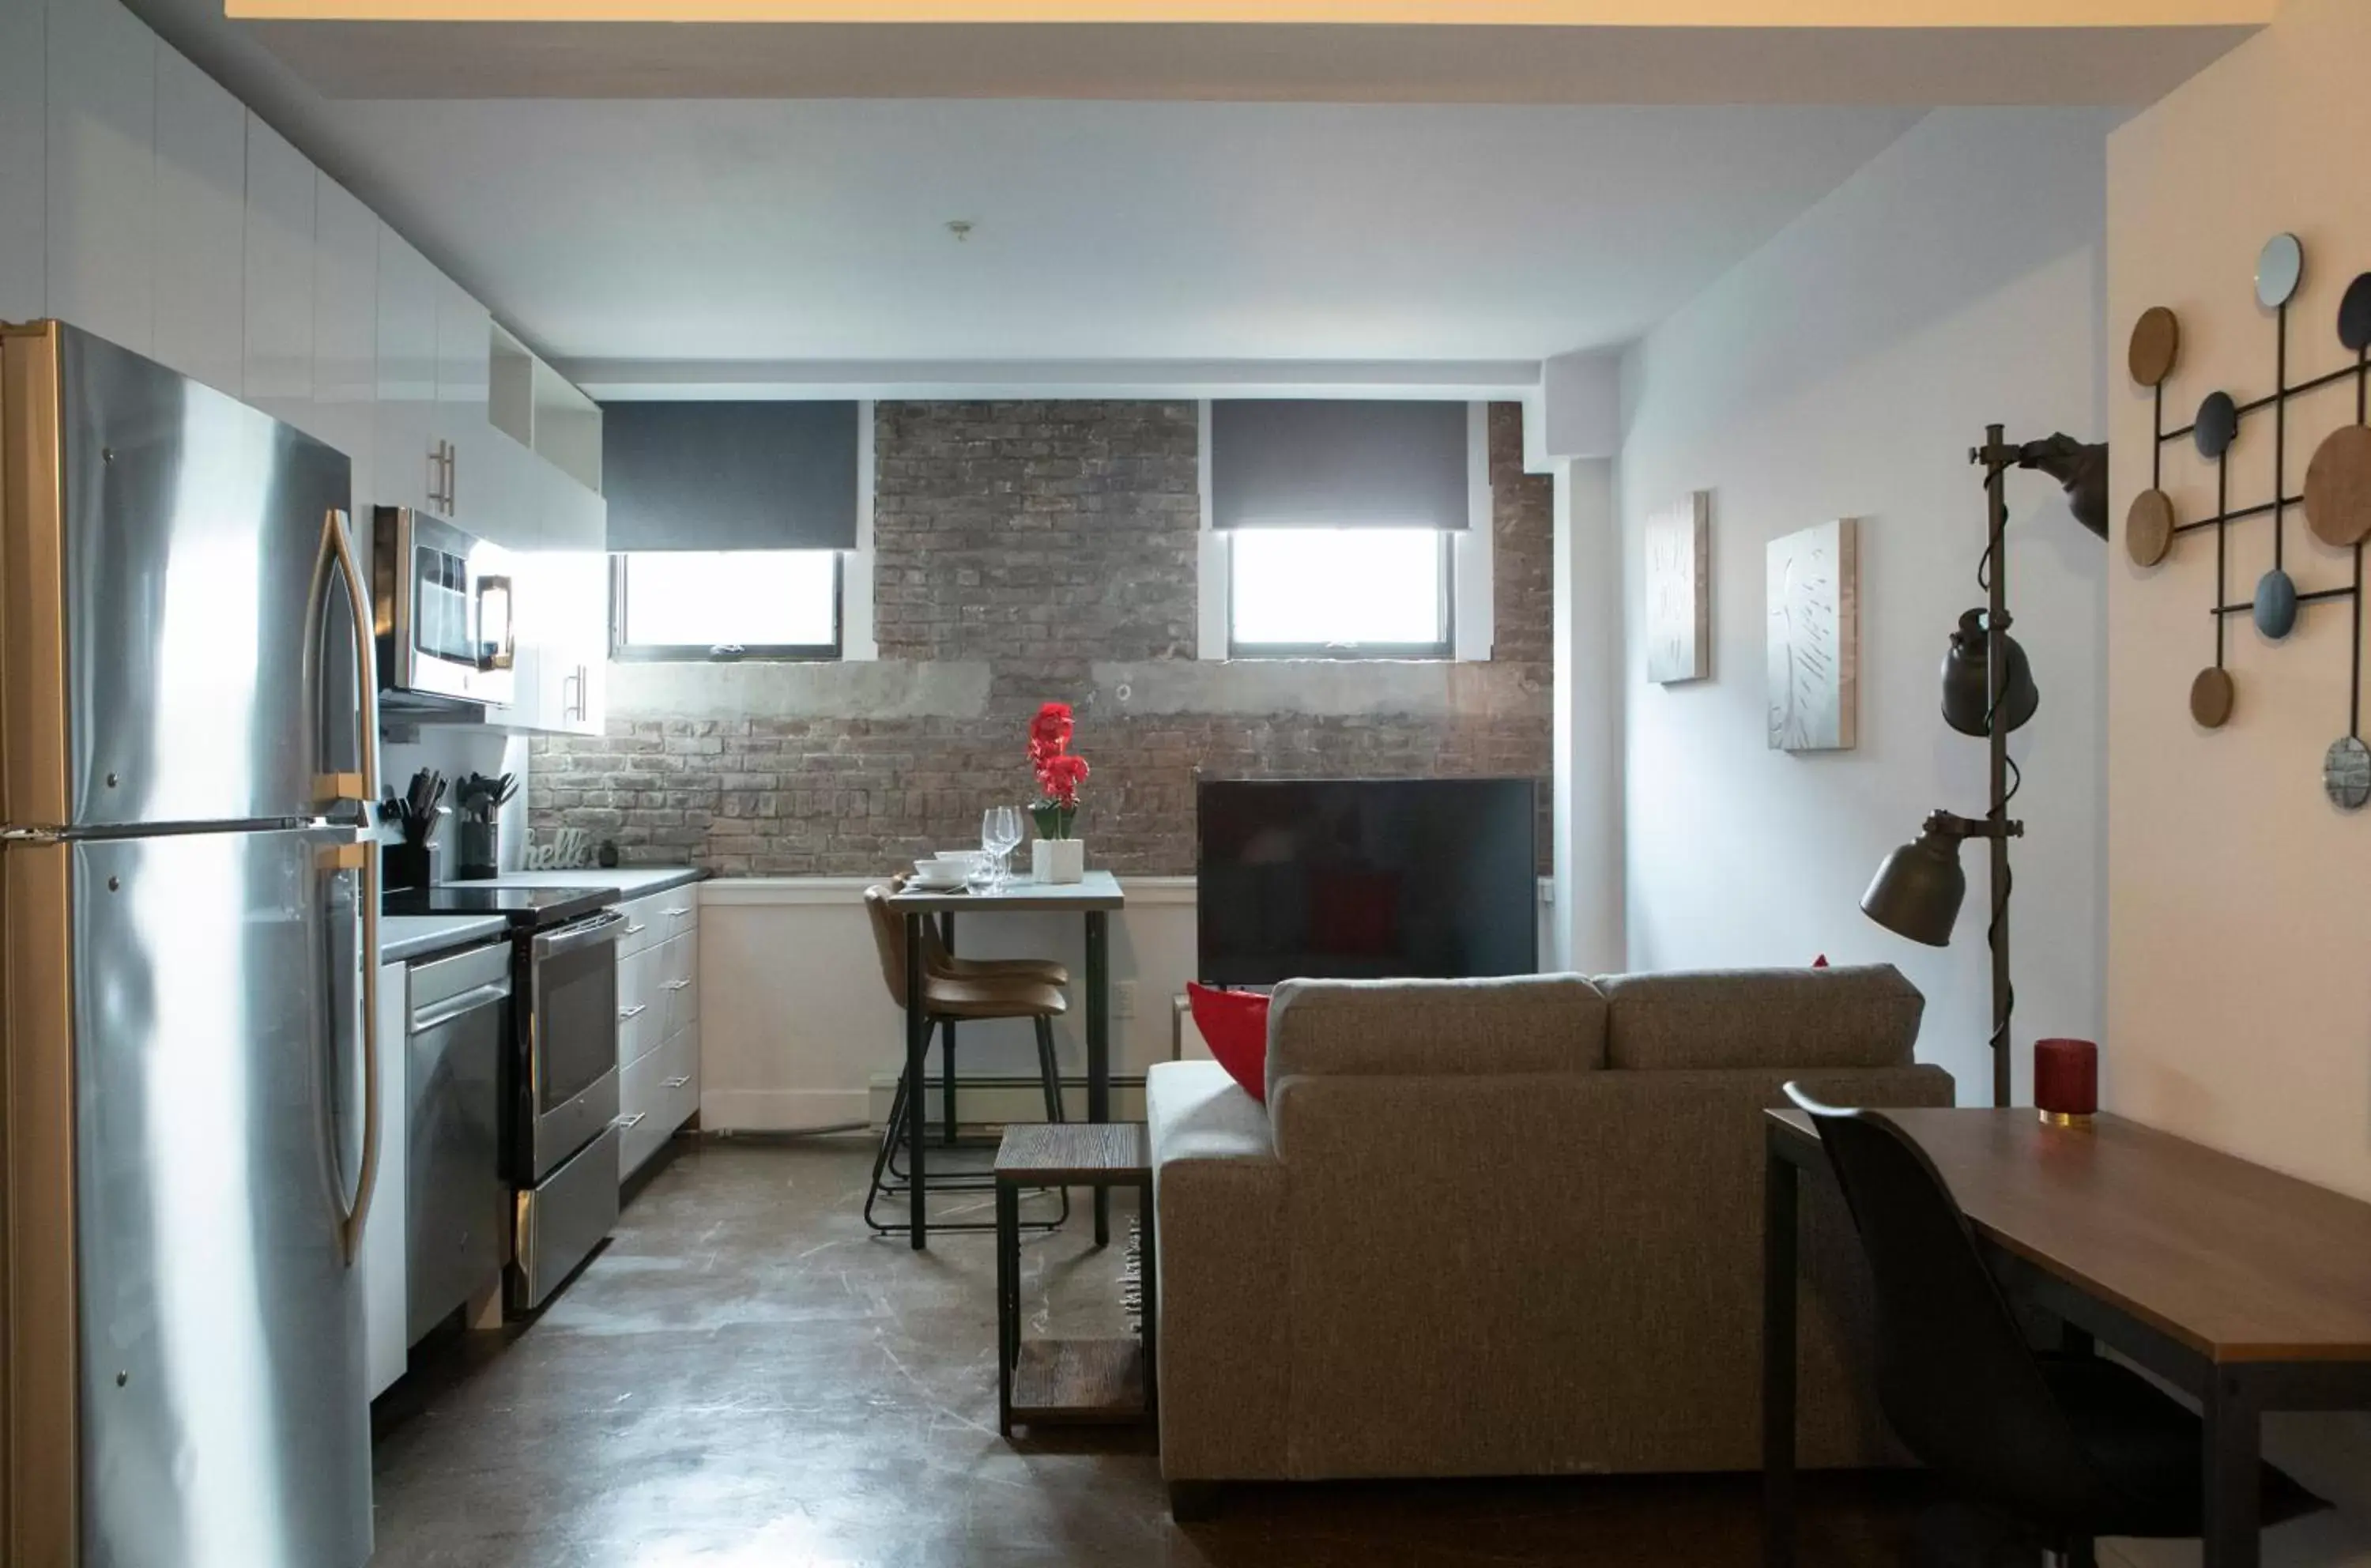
[
  {"x": 947, "y": 998},
  {"x": 939, "y": 959}
]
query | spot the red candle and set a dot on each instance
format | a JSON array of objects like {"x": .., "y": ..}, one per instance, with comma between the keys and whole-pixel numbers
[{"x": 2066, "y": 1080}]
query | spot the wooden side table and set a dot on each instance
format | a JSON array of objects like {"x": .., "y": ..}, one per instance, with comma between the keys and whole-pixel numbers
[{"x": 1045, "y": 1381}]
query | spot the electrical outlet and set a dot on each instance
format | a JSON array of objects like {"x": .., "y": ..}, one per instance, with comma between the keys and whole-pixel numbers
[{"x": 1124, "y": 998}]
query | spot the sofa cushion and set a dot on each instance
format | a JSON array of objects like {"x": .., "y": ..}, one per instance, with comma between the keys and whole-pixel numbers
[
  {"x": 1234, "y": 1024},
  {"x": 1861, "y": 1017},
  {"x": 1529, "y": 1023}
]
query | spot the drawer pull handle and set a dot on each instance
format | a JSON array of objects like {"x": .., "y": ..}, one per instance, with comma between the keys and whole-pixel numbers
[
  {"x": 676, "y": 1082},
  {"x": 628, "y": 1124},
  {"x": 627, "y": 1015},
  {"x": 636, "y": 929},
  {"x": 678, "y": 912},
  {"x": 677, "y": 984}
]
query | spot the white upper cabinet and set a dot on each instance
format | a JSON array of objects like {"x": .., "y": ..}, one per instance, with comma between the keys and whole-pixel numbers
[
  {"x": 464, "y": 341},
  {"x": 102, "y": 171},
  {"x": 201, "y": 226},
  {"x": 280, "y": 199},
  {"x": 24, "y": 152},
  {"x": 345, "y": 332},
  {"x": 410, "y": 471}
]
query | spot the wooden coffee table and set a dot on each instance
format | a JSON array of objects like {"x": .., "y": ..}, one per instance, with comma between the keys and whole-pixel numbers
[{"x": 1045, "y": 1381}]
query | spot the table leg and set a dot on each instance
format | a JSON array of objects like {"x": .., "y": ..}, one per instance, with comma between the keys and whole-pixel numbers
[
  {"x": 918, "y": 1037},
  {"x": 2233, "y": 1455},
  {"x": 1099, "y": 1047},
  {"x": 947, "y": 1120},
  {"x": 1778, "y": 1285},
  {"x": 1008, "y": 1299}
]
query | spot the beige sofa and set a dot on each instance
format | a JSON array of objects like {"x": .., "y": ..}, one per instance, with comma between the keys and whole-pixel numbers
[{"x": 1510, "y": 1227}]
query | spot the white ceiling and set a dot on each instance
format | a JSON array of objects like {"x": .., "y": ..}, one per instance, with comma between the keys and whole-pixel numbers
[
  {"x": 813, "y": 230},
  {"x": 816, "y": 230}
]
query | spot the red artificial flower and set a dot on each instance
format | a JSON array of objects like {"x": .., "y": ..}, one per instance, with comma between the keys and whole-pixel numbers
[
  {"x": 1050, "y": 733},
  {"x": 1059, "y": 773}
]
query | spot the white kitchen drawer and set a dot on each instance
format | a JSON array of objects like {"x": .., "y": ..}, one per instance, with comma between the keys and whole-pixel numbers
[
  {"x": 641, "y": 1006},
  {"x": 655, "y": 1096},
  {"x": 679, "y": 981}
]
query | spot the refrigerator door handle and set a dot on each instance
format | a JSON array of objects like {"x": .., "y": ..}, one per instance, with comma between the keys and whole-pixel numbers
[{"x": 337, "y": 548}]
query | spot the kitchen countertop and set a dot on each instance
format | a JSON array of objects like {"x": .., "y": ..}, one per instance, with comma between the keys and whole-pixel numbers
[
  {"x": 631, "y": 880},
  {"x": 404, "y": 937}
]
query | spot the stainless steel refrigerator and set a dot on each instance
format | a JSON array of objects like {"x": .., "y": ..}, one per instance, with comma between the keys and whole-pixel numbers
[{"x": 189, "y": 926}]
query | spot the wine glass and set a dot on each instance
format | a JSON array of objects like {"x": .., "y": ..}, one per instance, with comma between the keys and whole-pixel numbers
[{"x": 999, "y": 835}]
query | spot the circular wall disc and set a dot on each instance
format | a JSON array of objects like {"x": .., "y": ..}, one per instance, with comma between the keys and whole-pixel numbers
[
  {"x": 2346, "y": 773},
  {"x": 2355, "y": 315},
  {"x": 2156, "y": 344},
  {"x": 2280, "y": 266},
  {"x": 2210, "y": 697},
  {"x": 2149, "y": 527},
  {"x": 2218, "y": 426},
  {"x": 2276, "y": 604},
  {"x": 2337, "y": 487}
]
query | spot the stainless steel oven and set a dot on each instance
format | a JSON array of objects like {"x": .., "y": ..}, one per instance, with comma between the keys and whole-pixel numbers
[
  {"x": 565, "y": 1139},
  {"x": 447, "y": 638}
]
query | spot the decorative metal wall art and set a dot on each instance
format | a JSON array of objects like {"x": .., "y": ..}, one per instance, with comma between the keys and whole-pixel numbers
[
  {"x": 1814, "y": 638},
  {"x": 1679, "y": 598},
  {"x": 2335, "y": 498}
]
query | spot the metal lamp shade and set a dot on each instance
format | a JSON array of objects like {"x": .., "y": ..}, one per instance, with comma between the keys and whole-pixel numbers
[
  {"x": 1918, "y": 890},
  {"x": 1966, "y": 686}
]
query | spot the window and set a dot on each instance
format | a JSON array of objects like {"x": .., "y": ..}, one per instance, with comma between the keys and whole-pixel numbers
[
  {"x": 1364, "y": 592},
  {"x": 726, "y": 604}
]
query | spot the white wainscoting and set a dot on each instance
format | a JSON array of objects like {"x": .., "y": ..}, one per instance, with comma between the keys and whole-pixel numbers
[{"x": 797, "y": 1029}]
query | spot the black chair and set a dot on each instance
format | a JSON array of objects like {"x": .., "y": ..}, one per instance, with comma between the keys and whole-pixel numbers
[{"x": 2070, "y": 1446}]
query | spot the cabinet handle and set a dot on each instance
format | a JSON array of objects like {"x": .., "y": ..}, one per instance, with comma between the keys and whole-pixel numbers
[
  {"x": 676, "y": 985},
  {"x": 452, "y": 476},
  {"x": 628, "y": 1015},
  {"x": 635, "y": 928},
  {"x": 628, "y": 1124},
  {"x": 678, "y": 912},
  {"x": 676, "y": 1082}
]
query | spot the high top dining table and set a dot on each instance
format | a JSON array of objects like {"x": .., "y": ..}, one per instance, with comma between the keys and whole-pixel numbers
[
  {"x": 2246, "y": 1289},
  {"x": 1095, "y": 898}
]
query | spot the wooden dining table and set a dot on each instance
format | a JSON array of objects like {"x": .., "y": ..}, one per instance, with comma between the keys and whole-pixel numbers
[
  {"x": 2248, "y": 1289},
  {"x": 1094, "y": 899}
]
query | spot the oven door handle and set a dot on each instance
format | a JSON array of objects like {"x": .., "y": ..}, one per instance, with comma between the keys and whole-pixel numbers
[
  {"x": 584, "y": 934},
  {"x": 467, "y": 1002}
]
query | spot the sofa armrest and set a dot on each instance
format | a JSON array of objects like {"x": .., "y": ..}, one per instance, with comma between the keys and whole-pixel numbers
[{"x": 1220, "y": 1276}]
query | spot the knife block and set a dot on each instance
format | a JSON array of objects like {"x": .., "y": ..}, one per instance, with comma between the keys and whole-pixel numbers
[{"x": 407, "y": 865}]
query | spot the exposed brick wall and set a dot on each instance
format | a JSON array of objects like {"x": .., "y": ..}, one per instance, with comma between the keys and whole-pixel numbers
[
  {"x": 1054, "y": 544},
  {"x": 1522, "y": 523}
]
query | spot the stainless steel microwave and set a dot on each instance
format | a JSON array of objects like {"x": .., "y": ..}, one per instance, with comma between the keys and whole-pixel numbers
[{"x": 447, "y": 638}]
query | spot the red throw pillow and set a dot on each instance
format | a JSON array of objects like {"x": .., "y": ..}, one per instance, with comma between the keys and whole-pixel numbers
[{"x": 1234, "y": 1025}]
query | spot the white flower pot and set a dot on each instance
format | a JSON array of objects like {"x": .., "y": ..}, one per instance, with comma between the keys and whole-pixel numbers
[{"x": 1057, "y": 859}]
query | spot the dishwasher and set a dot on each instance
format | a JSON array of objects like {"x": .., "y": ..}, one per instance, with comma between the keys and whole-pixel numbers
[{"x": 459, "y": 1202}]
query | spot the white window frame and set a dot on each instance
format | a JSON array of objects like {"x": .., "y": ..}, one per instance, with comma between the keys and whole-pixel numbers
[{"x": 1473, "y": 618}]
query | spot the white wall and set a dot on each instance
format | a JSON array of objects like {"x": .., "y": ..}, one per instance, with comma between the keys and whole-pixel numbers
[
  {"x": 1843, "y": 371},
  {"x": 796, "y": 1026},
  {"x": 2237, "y": 1011}
]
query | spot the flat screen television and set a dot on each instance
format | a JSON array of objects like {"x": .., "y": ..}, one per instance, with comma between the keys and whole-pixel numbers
[{"x": 1366, "y": 880}]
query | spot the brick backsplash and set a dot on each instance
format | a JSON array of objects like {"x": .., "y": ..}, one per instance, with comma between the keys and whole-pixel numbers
[{"x": 1054, "y": 544}]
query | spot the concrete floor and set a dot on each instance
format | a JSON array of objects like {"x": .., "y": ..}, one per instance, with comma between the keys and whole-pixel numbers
[{"x": 745, "y": 1378}]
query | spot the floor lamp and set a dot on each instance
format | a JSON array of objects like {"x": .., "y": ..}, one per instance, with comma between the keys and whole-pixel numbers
[{"x": 1986, "y": 677}]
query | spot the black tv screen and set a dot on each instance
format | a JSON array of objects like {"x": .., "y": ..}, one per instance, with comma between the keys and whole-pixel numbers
[{"x": 1366, "y": 880}]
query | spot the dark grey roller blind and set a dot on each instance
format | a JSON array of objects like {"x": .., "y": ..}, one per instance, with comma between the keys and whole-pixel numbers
[
  {"x": 730, "y": 476},
  {"x": 1286, "y": 463}
]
